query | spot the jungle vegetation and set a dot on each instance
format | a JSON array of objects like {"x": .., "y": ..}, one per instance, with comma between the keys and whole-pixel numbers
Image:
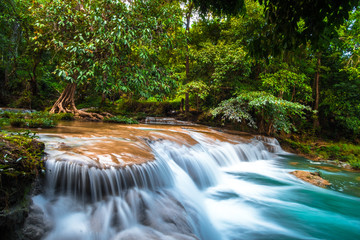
[{"x": 273, "y": 66}]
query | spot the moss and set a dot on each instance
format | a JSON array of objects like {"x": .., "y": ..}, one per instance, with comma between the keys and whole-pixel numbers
[
  {"x": 65, "y": 116},
  {"x": 20, "y": 164}
]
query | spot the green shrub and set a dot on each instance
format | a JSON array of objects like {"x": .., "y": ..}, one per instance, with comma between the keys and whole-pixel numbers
[
  {"x": 65, "y": 116},
  {"x": 121, "y": 119},
  {"x": 4, "y": 122},
  {"x": 355, "y": 163},
  {"x": 17, "y": 122},
  {"x": 41, "y": 123},
  {"x": 262, "y": 110},
  {"x": 6, "y": 114},
  {"x": 33, "y": 120},
  {"x": 140, "y": 116}
]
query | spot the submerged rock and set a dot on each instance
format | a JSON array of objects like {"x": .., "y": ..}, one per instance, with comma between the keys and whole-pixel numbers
[{"x": 311, "y": 177}]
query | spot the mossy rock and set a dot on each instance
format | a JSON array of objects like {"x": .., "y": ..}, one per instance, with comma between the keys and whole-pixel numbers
[{"x": 20, "y": 165}]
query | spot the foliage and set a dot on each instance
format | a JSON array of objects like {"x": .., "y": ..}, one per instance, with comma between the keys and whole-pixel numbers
[
  {"x": 292, "y": 24},
  {"x": 219, "y": 56},
  {"x": 220, "y": 7},
  {"x": 21, "y": 154},
  {"x": 119, "y": 46},
  {"x": 24, "y": 79},
  {"x": 261, "y": 110},
  {"x": 129, "y": 56},
  {"x": 288, "y": 23},
  {"x": 65, "y": 117},
  {"x": 20, "y": 163},
  {"x": 198, "y": 88},
  {"x": 30, "y": 120},
  {"x": 228, "y": 63},
  {"x": 121, "y": 119},
  {"x": 287, "y": 82},
  {"x": 343, "y": 152}
]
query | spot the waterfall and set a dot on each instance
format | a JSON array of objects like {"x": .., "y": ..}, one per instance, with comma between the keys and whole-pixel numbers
[{"x": 213, "y": 189}]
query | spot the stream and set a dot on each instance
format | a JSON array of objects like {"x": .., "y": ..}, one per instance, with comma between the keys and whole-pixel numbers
[{"x": 110, "y": 181}]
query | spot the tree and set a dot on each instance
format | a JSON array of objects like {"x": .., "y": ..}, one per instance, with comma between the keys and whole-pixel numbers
[
  {"x": 188, "y": 15},
  {"x": 219, "y": 53},
  {"x": 287, "y": 83},
  {"x": 18, "y": 65},
  {"x": 117, "y": 45},
  {"x": 340, "y": 105},
  {"x": 295, "y": 22}
]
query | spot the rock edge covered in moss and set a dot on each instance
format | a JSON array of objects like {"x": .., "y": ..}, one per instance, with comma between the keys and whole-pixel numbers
[{"x": 20, "y": 166}]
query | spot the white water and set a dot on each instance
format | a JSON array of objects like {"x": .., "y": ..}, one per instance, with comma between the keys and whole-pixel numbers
[{"x": 211, "y": 190}]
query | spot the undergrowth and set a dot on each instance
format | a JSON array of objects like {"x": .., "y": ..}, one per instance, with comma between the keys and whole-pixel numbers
[
  {"x": 343, "y": 152},
  {"x": 121, "y": 119},
  {"x": 33, "y": 120}
]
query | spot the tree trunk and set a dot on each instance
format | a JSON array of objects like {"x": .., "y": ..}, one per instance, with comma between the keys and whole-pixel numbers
[
  {"x": 66, "y": 104},
  {"x": 66, "y": 101},
  {"x": 317, "y": 89},
  {"x": 187, "y": 64},
  {"x": 197, "y": 103},
  {"x": 317, "y": 78},
  {"x": 293, "y": 94},
  {"x": 103, "y": 99},
  {"x": 182, "y": 105},
  {"x": 33, "y": 81}
]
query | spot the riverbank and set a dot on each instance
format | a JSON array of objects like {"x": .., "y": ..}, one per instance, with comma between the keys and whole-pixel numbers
[{"x": 341, "y": 154}]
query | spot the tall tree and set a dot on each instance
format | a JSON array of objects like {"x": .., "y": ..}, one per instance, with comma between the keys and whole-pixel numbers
[
  {"x": 117, "y": 45},
  {"x": 188, "y": 15}
]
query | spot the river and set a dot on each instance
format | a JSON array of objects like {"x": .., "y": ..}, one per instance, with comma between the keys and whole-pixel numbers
[{"x": 109, "y": 181}]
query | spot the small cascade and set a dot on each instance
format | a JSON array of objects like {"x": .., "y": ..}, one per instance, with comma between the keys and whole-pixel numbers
[
  {"x": 272, "y": 144},
  {"x": 202, "y": 161},
  {"x": 92, "y": 183},
  {"x": 196, "y": 162}
]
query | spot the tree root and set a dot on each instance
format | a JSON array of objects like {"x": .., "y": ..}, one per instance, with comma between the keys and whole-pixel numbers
[
  {"x": 88, "y": 115},
  {"x": 66, "y": 104}
]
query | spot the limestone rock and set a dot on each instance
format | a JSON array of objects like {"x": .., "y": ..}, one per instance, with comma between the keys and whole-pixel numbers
[{"x": 311, "y": 177}]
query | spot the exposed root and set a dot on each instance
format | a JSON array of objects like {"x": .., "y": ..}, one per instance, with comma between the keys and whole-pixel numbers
[
  {"x": 66, "y": 104},
  {"x": 91, "y": 116}
]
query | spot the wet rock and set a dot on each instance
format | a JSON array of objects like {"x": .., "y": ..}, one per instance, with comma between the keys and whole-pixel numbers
[
  {"x": 167, "y": 121},
  {"x": 311, "y": 177},
  {"x": 11, "y": 221},
  {"x": 35, "y": 227},
  {"x": 137, "y": 233}
]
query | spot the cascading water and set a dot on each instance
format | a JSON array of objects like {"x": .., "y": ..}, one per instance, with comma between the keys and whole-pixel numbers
[{"x": 195, "y": 184}]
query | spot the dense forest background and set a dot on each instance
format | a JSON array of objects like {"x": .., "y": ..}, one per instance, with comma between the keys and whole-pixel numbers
[{"x": 274, "y": 66}]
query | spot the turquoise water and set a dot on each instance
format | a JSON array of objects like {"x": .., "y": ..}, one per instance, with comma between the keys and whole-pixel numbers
[
  {"x": 277, "y": 205},
  {"x": 341, "y": 179}
]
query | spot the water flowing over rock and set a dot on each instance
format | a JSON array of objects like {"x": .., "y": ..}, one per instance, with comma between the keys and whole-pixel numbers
[{"x": 194, "y": 183}]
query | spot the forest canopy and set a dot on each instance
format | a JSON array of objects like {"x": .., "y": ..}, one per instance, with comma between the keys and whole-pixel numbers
[{"x": 253, "y": 63}]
